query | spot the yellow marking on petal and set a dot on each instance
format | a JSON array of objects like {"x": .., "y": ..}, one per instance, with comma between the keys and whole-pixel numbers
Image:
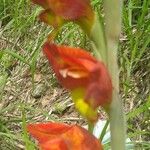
[{"x": 84, "y": 109}]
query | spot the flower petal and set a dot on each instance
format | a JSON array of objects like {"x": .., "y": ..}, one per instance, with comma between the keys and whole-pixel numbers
[
  {"x": 67, "y": 9},
  {"x": 63, "y": 137},
  {"x": 56, "y": 143},
  {"x": 46, "y": 131},
  {"x": 79, "y": 11},
  {"x": 99, "y": 89},
  {"x": 71, "y": 65},
  {"x": 81, "y": 139}
]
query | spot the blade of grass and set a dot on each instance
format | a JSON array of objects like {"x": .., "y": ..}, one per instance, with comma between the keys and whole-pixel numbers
[
  {"x": 104, "y": 130},
  {"x": 15, "y": 55},
  {"x": 28, "y": 144}
]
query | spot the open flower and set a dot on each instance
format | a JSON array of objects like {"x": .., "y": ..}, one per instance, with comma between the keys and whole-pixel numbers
[
  {"x": 87, "y": 78},
  {"x": 57, "y": 12},
  {"x": 58, "y": 136}
]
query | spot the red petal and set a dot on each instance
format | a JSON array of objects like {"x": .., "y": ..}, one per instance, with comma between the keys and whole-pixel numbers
[
  {"x": 56, "y": 136},
  {"x": 73, "y": 56},
  {"x": 79, "y": 11},
  {"x": 76, "y": 62},
  {"x": 45, "y": 131},
  {"x": 57, "y": 143},
  {"x": 100, "y": 87},
  {"x": 81, "y": 139},
  {"x": 71, "y": 9},
  {"x": 67, "y": 9}
]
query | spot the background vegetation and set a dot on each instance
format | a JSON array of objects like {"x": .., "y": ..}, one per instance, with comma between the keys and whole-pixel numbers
[{"x": 29, "y": 91}]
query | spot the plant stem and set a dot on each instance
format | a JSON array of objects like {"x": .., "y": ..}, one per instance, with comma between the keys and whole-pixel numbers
[
  {"x": 90, "y": 127},
  {"x": 98, "y": 39},
  {"x": 113, "y": 11}
]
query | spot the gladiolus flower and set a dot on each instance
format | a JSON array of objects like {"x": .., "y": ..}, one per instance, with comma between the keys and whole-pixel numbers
[
  {"x": 57, "y": 12},
  {"x": 87, "y": 78},
  {"x": 58, "y": 136}
]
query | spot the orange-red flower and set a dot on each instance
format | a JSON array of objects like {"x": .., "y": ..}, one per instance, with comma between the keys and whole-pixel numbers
[
  {"x": 58, "y": 136},
  {"x": 78, "y": 71},
  {"x": 59, "y": 11}
]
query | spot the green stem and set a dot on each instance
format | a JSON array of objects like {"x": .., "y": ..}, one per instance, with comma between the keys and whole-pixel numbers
[
  {"x": 106, "y": 47},
  {"x": 98, "y": 39},
  {"x": 113, "y": 11},
  {"x": 90, "y": 127},
  {"x": 117, "y": 123}
]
